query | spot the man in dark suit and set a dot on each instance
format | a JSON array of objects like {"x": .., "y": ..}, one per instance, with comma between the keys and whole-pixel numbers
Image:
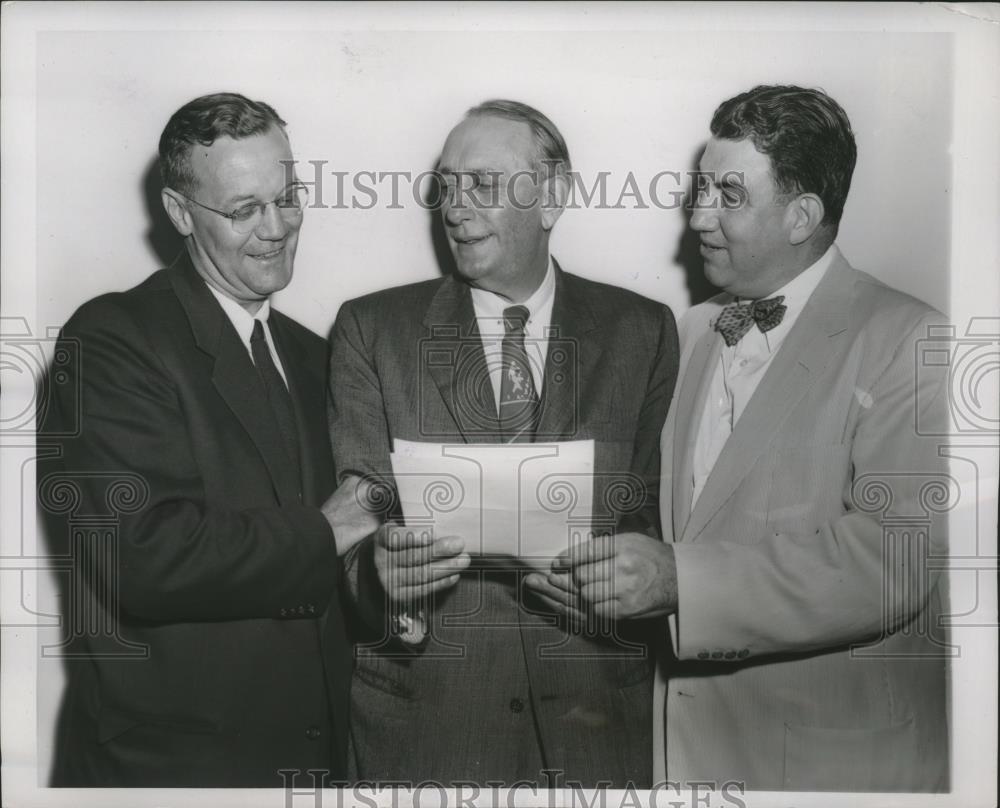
[
  {"x": 209, "y": 405},
  {"x": 803, "y": 509},
  {"x": 466, "y": 674}
]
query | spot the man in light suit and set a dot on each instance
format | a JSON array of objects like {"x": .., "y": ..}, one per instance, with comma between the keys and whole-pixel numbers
[
  {"x": 491, "y": 686},
  {"x": 801, "y": 506},
  {"x": 207, "y": 407}
]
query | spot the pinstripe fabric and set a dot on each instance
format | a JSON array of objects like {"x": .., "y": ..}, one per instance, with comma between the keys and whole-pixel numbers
[{"x": 501, "y": 689}]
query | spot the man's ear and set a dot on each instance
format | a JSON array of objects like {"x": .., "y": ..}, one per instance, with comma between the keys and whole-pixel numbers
[
  {"x": 806, "y": 212},
  {"x": 555, "y": 193},
  {"x": 180, "y": 216}
]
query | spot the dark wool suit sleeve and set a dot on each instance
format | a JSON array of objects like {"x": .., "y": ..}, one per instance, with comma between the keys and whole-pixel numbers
[
  {"x": 361, "y": 447},
  {"x": 659, "y": 391},
  {"x": 180, "y": 556}
]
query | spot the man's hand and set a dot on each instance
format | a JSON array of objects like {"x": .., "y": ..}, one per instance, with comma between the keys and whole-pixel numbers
[
  {"x": 412, "y": 564},
  {"x": 349, "y": 514},
  {"x": 624, "y": 576}
]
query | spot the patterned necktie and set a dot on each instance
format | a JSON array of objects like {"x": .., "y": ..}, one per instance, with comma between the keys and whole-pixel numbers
[
  {"x": 737, "y": 318},
  {"x": 518, "y": 398},
  {"x": 278, "y": 397}
]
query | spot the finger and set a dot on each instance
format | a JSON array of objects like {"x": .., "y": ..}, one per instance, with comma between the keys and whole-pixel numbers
[
  {"x": 404, "y": 557},
  {"x": 563, "y": 581},
  {"x": 397, "y": 537},
  {"x": 570, "y": 612},
  {"x": 540, "y": 586},
  {"x": 409, "y": 594},
  {"x": 401, "y": 576},
  {"x": 448, "y": 546},
  {"x": 587, "y": 552},
  {"x": 593, "y": 573},
  {"x": 417, "y": 556}
]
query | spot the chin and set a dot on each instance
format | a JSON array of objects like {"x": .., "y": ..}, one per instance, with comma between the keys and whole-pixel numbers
[
  {"x": 471, "y": 272},
  {"x": 717, "y": 277}
]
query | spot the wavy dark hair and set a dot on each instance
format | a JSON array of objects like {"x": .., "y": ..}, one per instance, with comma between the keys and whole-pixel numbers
[
  {"x": 806, "y": 134},
  {"x": 202, "y": 121}
]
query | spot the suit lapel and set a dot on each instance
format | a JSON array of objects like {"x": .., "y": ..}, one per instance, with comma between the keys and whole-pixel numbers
[
  {"x": 570, "y": 338},
  {"x": 233, "y": 374},
  {"x": 456, "y": 362},
  {"x": 800, "y": 360},
  {"x": 690, "y": 405},
  {"x": 464, "y": 381}
]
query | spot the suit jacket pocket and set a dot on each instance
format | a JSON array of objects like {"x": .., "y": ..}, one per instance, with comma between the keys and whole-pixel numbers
[
  {"x": 114, "y": 722},
  {"x": 382, "y": 674},
  {"x": 825, "y": 759}
]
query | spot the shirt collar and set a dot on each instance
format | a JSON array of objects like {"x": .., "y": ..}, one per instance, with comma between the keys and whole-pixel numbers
[
  {"x": 796, "y": 293},
  {"x": 490, "y": 306},
  {"x": 241, "y": 319},
  {"x": 800, "y": 288}
]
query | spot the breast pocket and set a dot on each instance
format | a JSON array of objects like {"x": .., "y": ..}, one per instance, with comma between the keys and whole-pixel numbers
[{"x": 807, "y": 486}]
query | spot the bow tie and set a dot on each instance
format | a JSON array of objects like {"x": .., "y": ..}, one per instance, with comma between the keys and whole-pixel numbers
[{"x": 736, "y": 318}]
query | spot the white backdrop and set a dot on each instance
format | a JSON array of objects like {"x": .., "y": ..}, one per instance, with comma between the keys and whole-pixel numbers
[
  {"x": 377, "y": 88},
  {"x": 636, "y": 102}
]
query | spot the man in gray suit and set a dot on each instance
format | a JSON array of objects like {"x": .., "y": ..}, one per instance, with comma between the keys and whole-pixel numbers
[
  {"x": 463, "y": 674},
  {"x": 801, "y": 505}
]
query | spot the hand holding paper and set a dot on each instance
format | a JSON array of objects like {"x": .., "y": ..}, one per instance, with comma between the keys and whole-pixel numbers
[
  {"x": 618, "y": 576},
  {"x": 412, "y": 563}
]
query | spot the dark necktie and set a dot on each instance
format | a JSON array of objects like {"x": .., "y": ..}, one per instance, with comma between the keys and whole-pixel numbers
[
  {"x": 737, "y": 318},
  {"x": 278, "y": 397},
  {"x": 518, "y": 398}
]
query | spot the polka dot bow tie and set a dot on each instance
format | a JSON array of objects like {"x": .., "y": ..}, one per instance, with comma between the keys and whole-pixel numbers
[{"x": 736, "y": 319}]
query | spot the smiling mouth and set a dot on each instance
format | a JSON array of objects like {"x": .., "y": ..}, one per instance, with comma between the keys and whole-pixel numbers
[
  {"x": 469, "y": 241},
  {"x": 711, "y": 247},
  {"x": 267, "y": 256}
]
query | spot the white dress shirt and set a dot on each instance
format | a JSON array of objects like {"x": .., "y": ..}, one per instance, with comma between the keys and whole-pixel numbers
[
  {"x": 741, "y": 367},
  {"x": 243, "y": 321},
  {"x": 489, "y": 308}
]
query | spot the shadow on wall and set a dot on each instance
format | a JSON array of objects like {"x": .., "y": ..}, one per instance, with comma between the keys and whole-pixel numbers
[
  {"x": 439, "y": 237},
  {"x": 164, "y": 242},
  {"x": 688, "y": 255},
  {"x": 55, "y": 501}
]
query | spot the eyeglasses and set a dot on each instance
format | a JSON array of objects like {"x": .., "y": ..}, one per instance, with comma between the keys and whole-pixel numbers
[{"x": 246, "y": 217}]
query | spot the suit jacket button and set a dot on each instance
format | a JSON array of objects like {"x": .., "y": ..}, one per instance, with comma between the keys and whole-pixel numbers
[
  {"x": 703, "y": 655},
  {"x": 730, "y": 655},
  {"x": 744, "y": 653},
  {"x": 313, "y": 732},
  {"x": 717, "y": 655},
  {"x": 516, "y": 705},
  {"x": 284, "y": 612}
]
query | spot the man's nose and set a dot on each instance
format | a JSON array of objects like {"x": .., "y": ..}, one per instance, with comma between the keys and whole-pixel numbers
[
  {"x": 456, "y": 207},
  {"x": 704, "y": 216},
  {"x": 272, "y": 225}
]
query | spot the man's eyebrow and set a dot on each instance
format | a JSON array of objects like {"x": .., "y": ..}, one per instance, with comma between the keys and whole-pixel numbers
[
  {"x": 479, "y": 172},
  {"x": 235, "y": 200}
]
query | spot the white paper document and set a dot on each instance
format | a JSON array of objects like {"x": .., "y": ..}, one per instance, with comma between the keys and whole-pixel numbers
[{"x": 526, "y": 500}]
